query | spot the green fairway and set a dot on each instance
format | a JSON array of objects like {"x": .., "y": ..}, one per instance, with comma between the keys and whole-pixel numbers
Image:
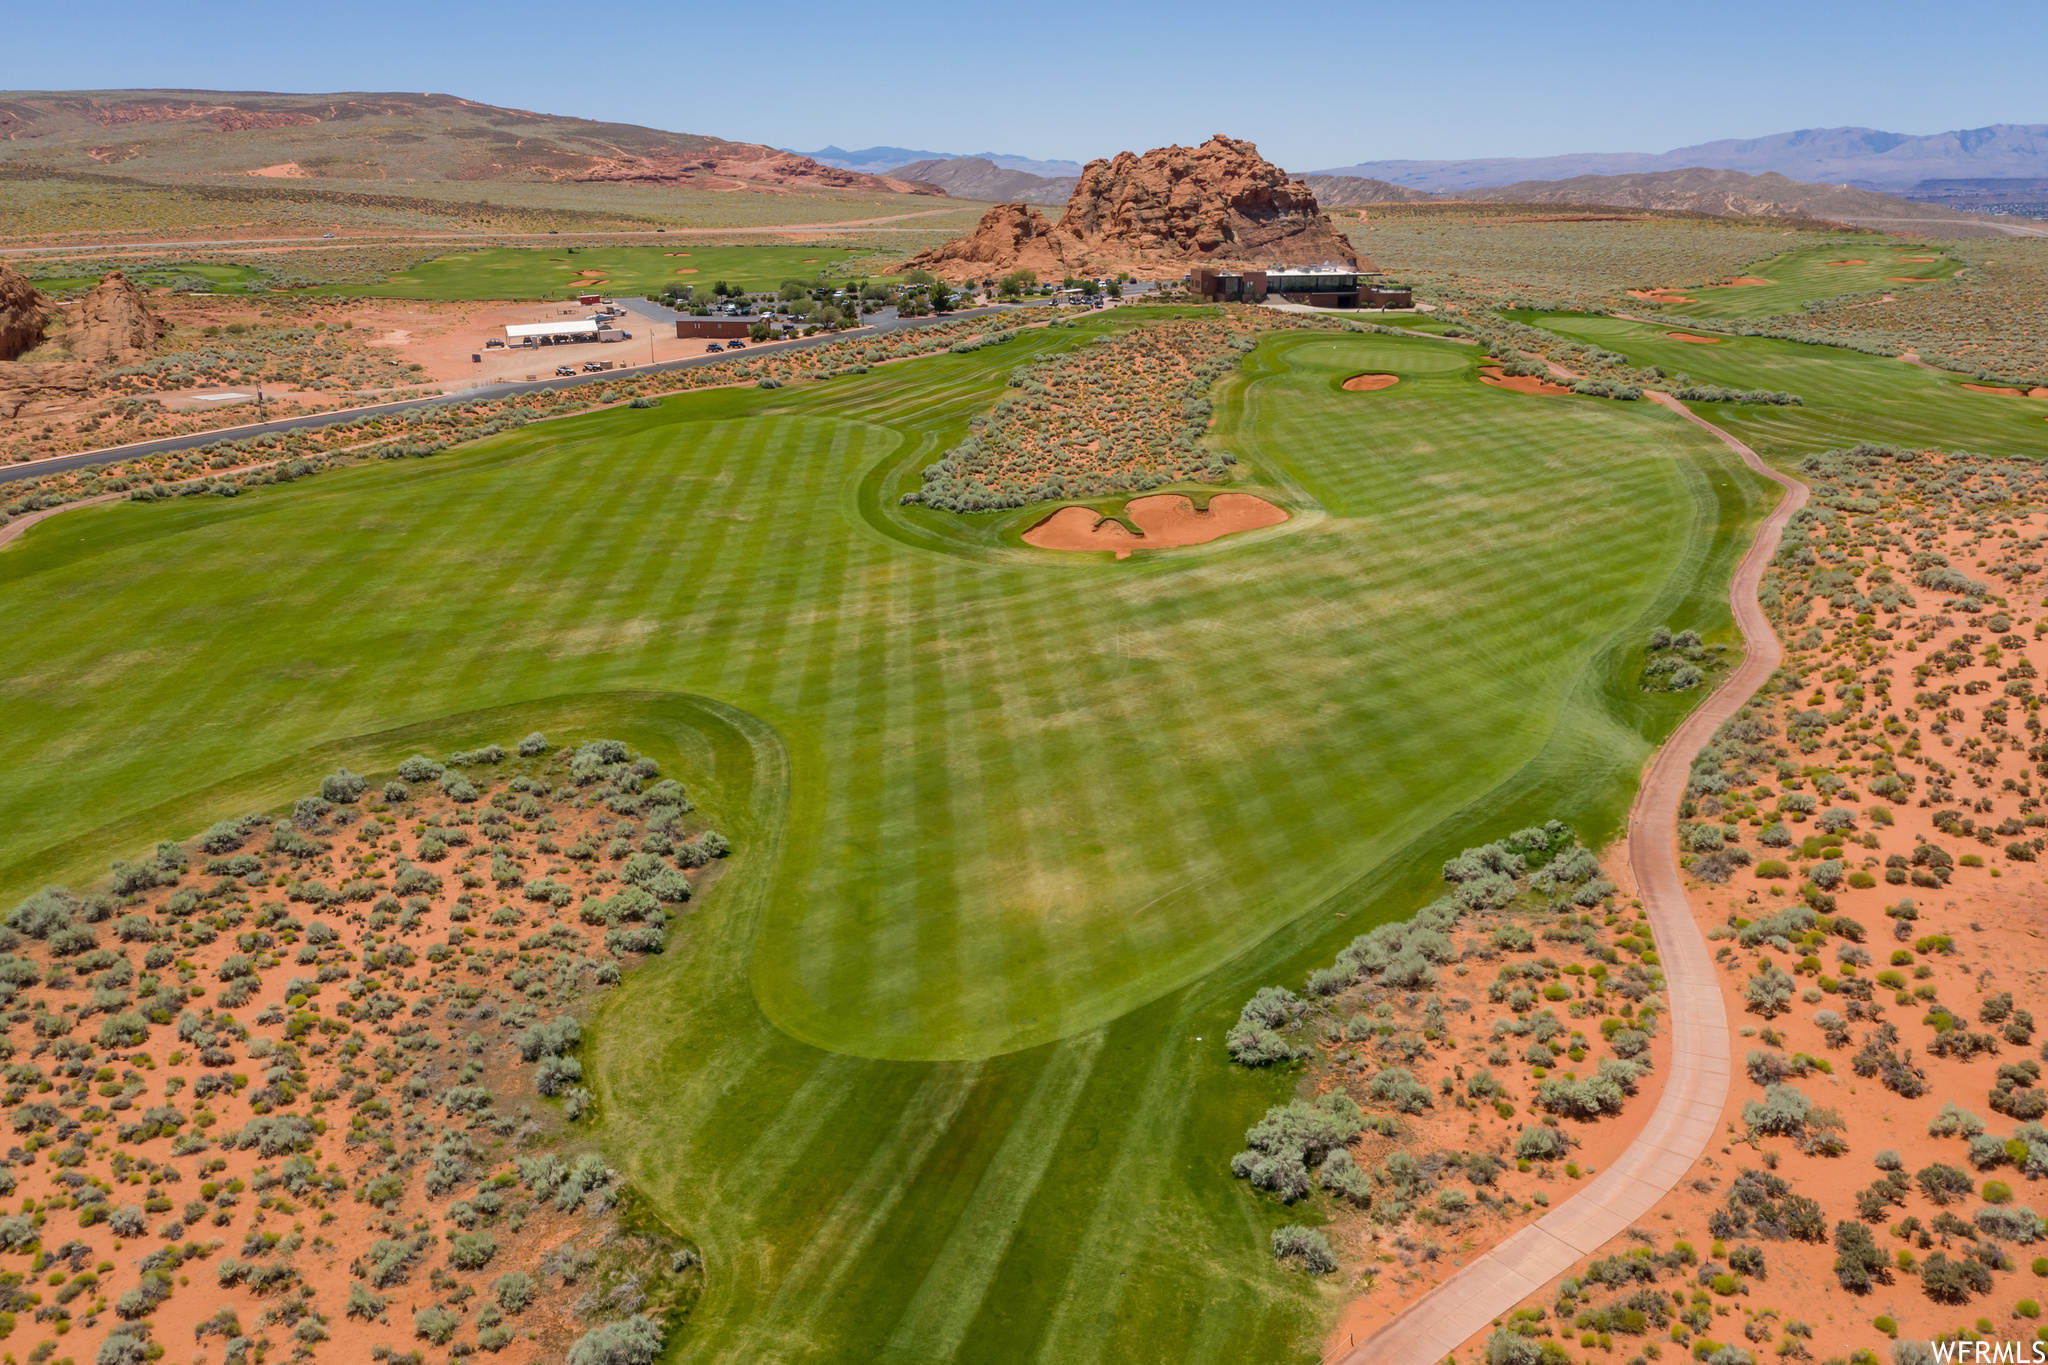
[
  {"x": 1819, "y": 272},
  {"x": 937, "y": 1072},
  {"x": 1847, "y": 396},
  {"x": 553, "y": 272},
  {"x": 192, "y": 277}
]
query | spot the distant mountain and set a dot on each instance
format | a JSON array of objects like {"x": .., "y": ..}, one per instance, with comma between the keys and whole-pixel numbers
[
  {"x": 977, "y": 177},
  {"x": 888, "y": 160},
  {"x": 1864, "y": 157},
  {"x": 1732, "y": 193},
  {"x": 387, "y": 138},
  {"x": 1345, "y": 191}
]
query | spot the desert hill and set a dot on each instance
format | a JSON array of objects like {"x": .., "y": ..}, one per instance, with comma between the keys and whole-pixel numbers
[
  {"x": 1733, "y": 193},
  {"x": 1220, "y": 202},
  {"x": 975, "y": 177},
  {"x": 1346, "y": 191},
  {"x": 207, "y": 134}
]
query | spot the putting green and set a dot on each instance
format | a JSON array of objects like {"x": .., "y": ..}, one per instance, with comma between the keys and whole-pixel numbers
[
  {"x": 937, "y": 1073},
  {"x": 553, "y": 272},
  {"x": 1846, "y": 396},
  {"x": 1818, "y": 272}
]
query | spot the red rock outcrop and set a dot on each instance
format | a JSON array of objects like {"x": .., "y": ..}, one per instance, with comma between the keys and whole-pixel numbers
[
  {"x": 1009, "y": 237},
  {"x": 1220, "y": 202},
  {"x": 113, "y": 325},
  {"x": 745, "y": 161},
  {"x": 22, "y": 314},
  {"x": 26, "y": 390}
]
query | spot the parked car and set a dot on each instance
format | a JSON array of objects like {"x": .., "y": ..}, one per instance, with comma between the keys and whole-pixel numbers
[
  {"x": 714, "y": 346},
  {"x": 735, "y": 345},
  {"x": 592, "y": 367},
  {"x": 494, "y": 343},
  {"x": 565, "y": 369}
]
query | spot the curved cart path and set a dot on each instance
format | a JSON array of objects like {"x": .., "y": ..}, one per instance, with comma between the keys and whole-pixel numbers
[{"x": 1696, "y": 1084}]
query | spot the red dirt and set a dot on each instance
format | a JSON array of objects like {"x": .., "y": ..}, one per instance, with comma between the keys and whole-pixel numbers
[
  {"x": 1370, "y": 383},
  {"x": 1697, "y": 341},
  {"x": 687, "y": 270},
  {"x": 1491, "y": 375},
  {"x": 1993, "y": 388},
  {"x": 1912, "y": 279},
  {"x": 1854, "y": 262},
  {"x": 1165, "y": 521},
  {"x": 1919, "y": 258},
  {"x": 1739, "y": 281},
  {"x": 1661, "y": 296}
]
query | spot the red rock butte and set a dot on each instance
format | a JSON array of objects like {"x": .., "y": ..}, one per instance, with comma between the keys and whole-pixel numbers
[{"x": 1220, "y": 202}]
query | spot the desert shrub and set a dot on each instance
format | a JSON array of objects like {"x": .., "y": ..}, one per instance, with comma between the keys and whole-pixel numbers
[
  {"x": 420, "y": 768},
  {"x": 471, "y": 1250},
  {"x": 1282, "y": 1146},
  {"x": 514, "y": 1291},
  {"x": 343, "y": 787},
  {"x": 1540, "y": 1143},
  {"x": 1944, "y": 1184},
  {"x": 2017, "y": 1223},
  {"x": 1947, "y": 1281},
  {"x": 1859, "y": 1261},
  {"x": 1306, "y": 1245},
  {"x": 1395, "y": 1086},
  {"x": 435, "y": 1323},
  {"x": 630, "y": 1341},
  {"x": 1769, "y": 993}
]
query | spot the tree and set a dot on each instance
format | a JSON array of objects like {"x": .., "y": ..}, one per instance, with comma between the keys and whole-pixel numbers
[{"x": 942, "y": 297}]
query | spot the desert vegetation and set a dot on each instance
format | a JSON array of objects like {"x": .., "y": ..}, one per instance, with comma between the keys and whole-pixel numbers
[
  {"x": 1527, "y": 986},
  {"x": 311, "y": 1078}
]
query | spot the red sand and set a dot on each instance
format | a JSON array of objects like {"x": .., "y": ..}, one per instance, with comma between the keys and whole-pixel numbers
[
  {"x": 1697, "y": 341},
  {"x": 2007, "y": 392},
  {"x": 1492, "y": 375},
  {"x": 1166, "y": 520},
  {"x": 1370, "y": 383}
]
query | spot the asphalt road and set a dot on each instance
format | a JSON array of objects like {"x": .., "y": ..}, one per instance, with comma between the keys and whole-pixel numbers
[{"x": 882, "y": 325}]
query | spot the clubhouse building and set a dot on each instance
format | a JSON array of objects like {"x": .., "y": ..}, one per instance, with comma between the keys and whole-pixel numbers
[{"x": 1321, "y": 286}]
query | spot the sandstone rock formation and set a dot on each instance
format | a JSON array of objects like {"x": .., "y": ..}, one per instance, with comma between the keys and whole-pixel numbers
[
  {"x": 26, "y": 390},
  {"x": 22, "y": 314},
  {"x": 113, "y": 325},
  {"x": 1009, "y": 237},
  {"x": 1220, "y": 202},
  {"x": 743, "y": 163}
]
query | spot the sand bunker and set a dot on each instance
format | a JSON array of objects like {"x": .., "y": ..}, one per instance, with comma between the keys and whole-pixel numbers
[
  {"x": 1166, "y": 519},
  {"x": 1662, "y": 296},
  {"x": 1527, "y": 383},
  {"x": 1740, "y": 280},
  {"x": 1912, "y": 279},
  {"x": 1904, "y": 259},
  {"x": 1697, "y": 341},
  {"x": 682, "y": 254},
  {"x": 1854, "y": 262},
  {"x": 687, "y": 270},
  {"x": 1368, "y": 383},
  {"x": 2007, "y": 392},
  {"x": 283, "y": 170}
]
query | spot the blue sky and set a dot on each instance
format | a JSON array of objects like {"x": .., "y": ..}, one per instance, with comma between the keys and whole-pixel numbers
[{"x": 1315, "y": 84}]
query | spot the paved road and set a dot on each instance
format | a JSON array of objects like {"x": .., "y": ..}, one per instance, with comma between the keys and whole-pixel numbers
[
  {"x": 1696, "y": 1084},
  {"x": 883, "y": 324}
]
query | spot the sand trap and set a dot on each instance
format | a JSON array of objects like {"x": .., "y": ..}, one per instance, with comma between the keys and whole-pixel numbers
[
  {"x": 1855, "y": 262},
  {"x": 687, "y": 270},
  {"x": 1167, "y": 520},
  {"x": 682, "y": 254},
  {"x": 1368, "y": 383},
  {"x": 1912, "y": 279},
  {"x": 1904, "y": 259},
  {"x": 1697, "y": 341},
  {"x": 1994, "y": 388},
  {"x": 1662, "y": 296},
  {"x": 1526, "y": 383},
  {"x": 1740, "y": 280},
  {"x": 283, "y": 170}
]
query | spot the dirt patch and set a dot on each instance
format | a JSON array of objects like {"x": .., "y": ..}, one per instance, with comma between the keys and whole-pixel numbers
[
  {"x": 1858, "y": 261},
  {"x": 1370, "y": 383},
  {"x": 283, "y": 170},
  {"x": 1525, "y": 383},
  {"x": 1697, "y": 341},
  {"x": 1994, "y": 388},
  {"x": 687, "y": 270},
  {"x": 1165, "y": 521},
  {"x": 1904, "y": 259},
  {"x": 1912, "y": 279},
  {"x": 1661, "y": 296},
  {"x": 1740, "y": 282}
]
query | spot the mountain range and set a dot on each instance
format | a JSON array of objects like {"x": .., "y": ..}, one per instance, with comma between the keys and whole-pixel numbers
[
  {"x": 892, "y": 160},
  {"x": 1865, "y": 158}
]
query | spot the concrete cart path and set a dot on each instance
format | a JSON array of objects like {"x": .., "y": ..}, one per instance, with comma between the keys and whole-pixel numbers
[{"x": 1696, "y": 1084}]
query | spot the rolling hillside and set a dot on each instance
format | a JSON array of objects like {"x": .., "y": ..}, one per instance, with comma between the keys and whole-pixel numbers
[{"x": 205, "y": 134}]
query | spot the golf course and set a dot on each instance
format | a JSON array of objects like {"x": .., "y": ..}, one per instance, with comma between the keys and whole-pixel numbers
[
  {"x": 522, "y": 273},
  {"x": 937, "y": 1071}
]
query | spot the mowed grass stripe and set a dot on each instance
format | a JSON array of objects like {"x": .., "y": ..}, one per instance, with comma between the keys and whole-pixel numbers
[{"x": 1185, "y": 696}]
